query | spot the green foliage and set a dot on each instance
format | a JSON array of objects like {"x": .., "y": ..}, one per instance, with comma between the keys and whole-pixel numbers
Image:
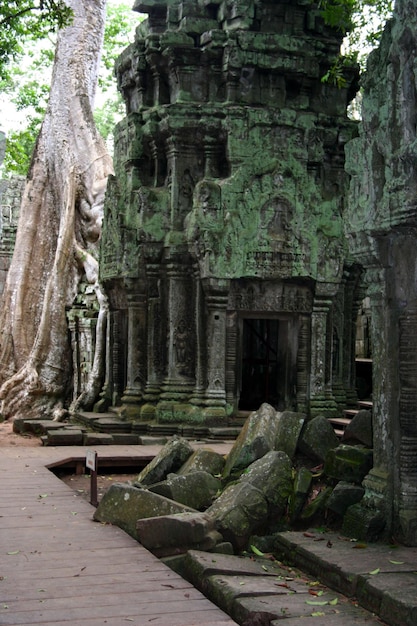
[
  {"x": 338, "y": 13},
  {"x": 27, "y": 20},
  {"x": 362, "y": 22},
  {"x": 26, "y": 82}
]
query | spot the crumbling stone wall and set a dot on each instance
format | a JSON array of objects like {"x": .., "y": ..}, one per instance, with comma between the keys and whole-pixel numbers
[{"x": 381, "y": 226}]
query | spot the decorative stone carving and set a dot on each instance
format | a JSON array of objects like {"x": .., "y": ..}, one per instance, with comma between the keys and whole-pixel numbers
[{"x": 227, "y": 202}]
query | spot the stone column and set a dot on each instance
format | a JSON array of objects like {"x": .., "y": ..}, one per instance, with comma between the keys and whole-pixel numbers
[
  {"x": 136, "y": 351},
  {"x": 180, "y": 377},
  {"x": 197, "y": 399},
  {"x": 368, "y": 519},
  {"x": 303, "y": 363},
  {"x": 155, "y": 344},
  {"x": 321, "y": 399},
  {"x": 216, "y": 297}
]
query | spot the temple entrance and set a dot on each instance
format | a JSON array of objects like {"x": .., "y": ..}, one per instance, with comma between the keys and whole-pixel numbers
[{"x": 265, "y": 375}]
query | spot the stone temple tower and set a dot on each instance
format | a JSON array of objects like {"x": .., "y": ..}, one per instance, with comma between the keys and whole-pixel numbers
[{"x": 223, "y": 251}]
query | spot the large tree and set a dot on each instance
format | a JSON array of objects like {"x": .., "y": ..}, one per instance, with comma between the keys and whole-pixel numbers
[{"x": 58, "y": 229}]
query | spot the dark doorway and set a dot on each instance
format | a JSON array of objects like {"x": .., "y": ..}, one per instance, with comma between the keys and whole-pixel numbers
[{"x": 264, "y": 364}]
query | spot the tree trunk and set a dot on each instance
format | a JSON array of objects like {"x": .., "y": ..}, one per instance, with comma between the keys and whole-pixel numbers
[{"x": 58, "y": 230}]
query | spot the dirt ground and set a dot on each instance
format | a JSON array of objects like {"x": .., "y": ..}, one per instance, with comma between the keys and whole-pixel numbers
[
  {"x": 9, "y": 438},
  {"x": 81, "y": 484}
]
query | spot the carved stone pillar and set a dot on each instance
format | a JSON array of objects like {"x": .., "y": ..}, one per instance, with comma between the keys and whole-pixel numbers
[
  {"x": 105, "y": 399},
  {"x": 303, "y": 363},
  {"x": 354, "y": 294},
  {"x": 136, "y": 351},
  {"x": 322, "y": 401},
  {"x": 216, "y": 297},
  {"x": 197, "y": 398},
  {"x": 180, "y": 376},
  {"x": 155, "y": 344},
  {"x": 231, "y": 360}
]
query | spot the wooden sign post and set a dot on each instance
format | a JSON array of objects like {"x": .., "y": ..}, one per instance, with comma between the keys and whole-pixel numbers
[{"x": 91, "y": 462}]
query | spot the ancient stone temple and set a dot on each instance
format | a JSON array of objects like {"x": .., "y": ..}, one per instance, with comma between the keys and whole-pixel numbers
[
  {"x": 381, "y": 225},
  {"x": 10, "y": 195},
  {"x": 223, "y": 251}
]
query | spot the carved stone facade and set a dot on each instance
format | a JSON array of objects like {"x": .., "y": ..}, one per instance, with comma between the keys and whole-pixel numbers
[
  {"x": 223, "y": 252},
  {"x": 382, "y": 230},
  {"x": 11, "y": 190}
]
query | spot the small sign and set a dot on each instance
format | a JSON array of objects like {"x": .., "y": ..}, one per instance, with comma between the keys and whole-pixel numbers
[{"x": 91, "y": 460}]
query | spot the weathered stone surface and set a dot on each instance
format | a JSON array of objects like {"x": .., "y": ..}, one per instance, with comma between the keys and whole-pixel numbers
[
  {"x": 93, "y": 439},
  {"x": 200, "y": 565},
  {"x": 257, "y": 437},
  {"x": 348, "y": 463},
  {"x": 172, "y": 456},
  {"x": 317, "y": 438},
  {"x": 238, "y": 511},
  {"x": 170, "y": 534},
  {"x": 260, "y": 492},
  {"x": 65, "y": 437},
  {"x": 302, "y": 484},
  {"x": 204, "y": 460},
  {"x": 344, "y": 495},
  {"x": 195, "y": 490},
  {"x": 123, "y": 505},
  {"x": 288, "y": 432},
  {"x": 360, "y": 429},
  {"x": 272, "y": 475},
  {"x": 364, "y": 523}
]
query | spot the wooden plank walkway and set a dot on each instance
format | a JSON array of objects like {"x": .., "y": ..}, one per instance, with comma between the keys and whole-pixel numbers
[{"x": 60, "y": 568}]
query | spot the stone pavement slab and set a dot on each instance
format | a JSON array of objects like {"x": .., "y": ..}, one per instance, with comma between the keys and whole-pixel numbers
[
  {"x": 383, "y": 578},
  {"x": 258, "y": 591}
]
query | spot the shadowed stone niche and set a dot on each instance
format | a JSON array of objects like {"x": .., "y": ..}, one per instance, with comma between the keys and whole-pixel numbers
[
  {"x": 382, "y": 229},
  {"x": 223, "y": 224}
]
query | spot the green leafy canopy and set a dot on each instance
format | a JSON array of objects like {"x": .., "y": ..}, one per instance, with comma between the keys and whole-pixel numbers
[{"x": 27, "y": 20}]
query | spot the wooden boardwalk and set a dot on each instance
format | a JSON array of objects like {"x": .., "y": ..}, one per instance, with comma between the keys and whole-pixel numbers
[{"x": 60, "y": 568}]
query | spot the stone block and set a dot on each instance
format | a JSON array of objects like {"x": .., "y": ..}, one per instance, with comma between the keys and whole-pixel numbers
[
  {"x": 94, "y": 439},
  {"x": 289, "y": 429},
  {"x": 317, "y": 438},
  {"x": 168, "y": 460},
  {"x": 256, "y": 438},
  {"x": 204, "y": 460},
  {"x": 360, "y": 429},
  {"x": 64, "y": 437},
  {"x": 196, "y": 489},
  {"x": 343, "y": 496},
  {"x": 182, "y": 529},
  {"x": 348, "y": 463},
  {"x": 124, "y": 504},
  {"x": 301, "y": 489},
  {"x": 361, "y": 522},
  {"x": 272, "y": 475},
  {"x": 238, "y": 511}
]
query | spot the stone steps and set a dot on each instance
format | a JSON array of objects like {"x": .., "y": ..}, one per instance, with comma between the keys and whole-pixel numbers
[
  {"x": 90, "y": 429},
  {"x": 340, "y": 423}
]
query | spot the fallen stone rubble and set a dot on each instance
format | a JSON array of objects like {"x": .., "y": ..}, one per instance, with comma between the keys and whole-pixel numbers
[{"x": 234, "y": 542}]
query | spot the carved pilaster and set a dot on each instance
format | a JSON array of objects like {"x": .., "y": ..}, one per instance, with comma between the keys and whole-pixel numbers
[
  {"x": 136, "y": 352},
  {"x": 322, "y": 401},
  {"x": 180, "y": 378},
  {"x": 216, "y": 297},
  {"x": 232, "y": 360},
  {"x": 197, "y": 398},
  {"x": 303, "y": 363},
  {"x": 156, "y": 333}
]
